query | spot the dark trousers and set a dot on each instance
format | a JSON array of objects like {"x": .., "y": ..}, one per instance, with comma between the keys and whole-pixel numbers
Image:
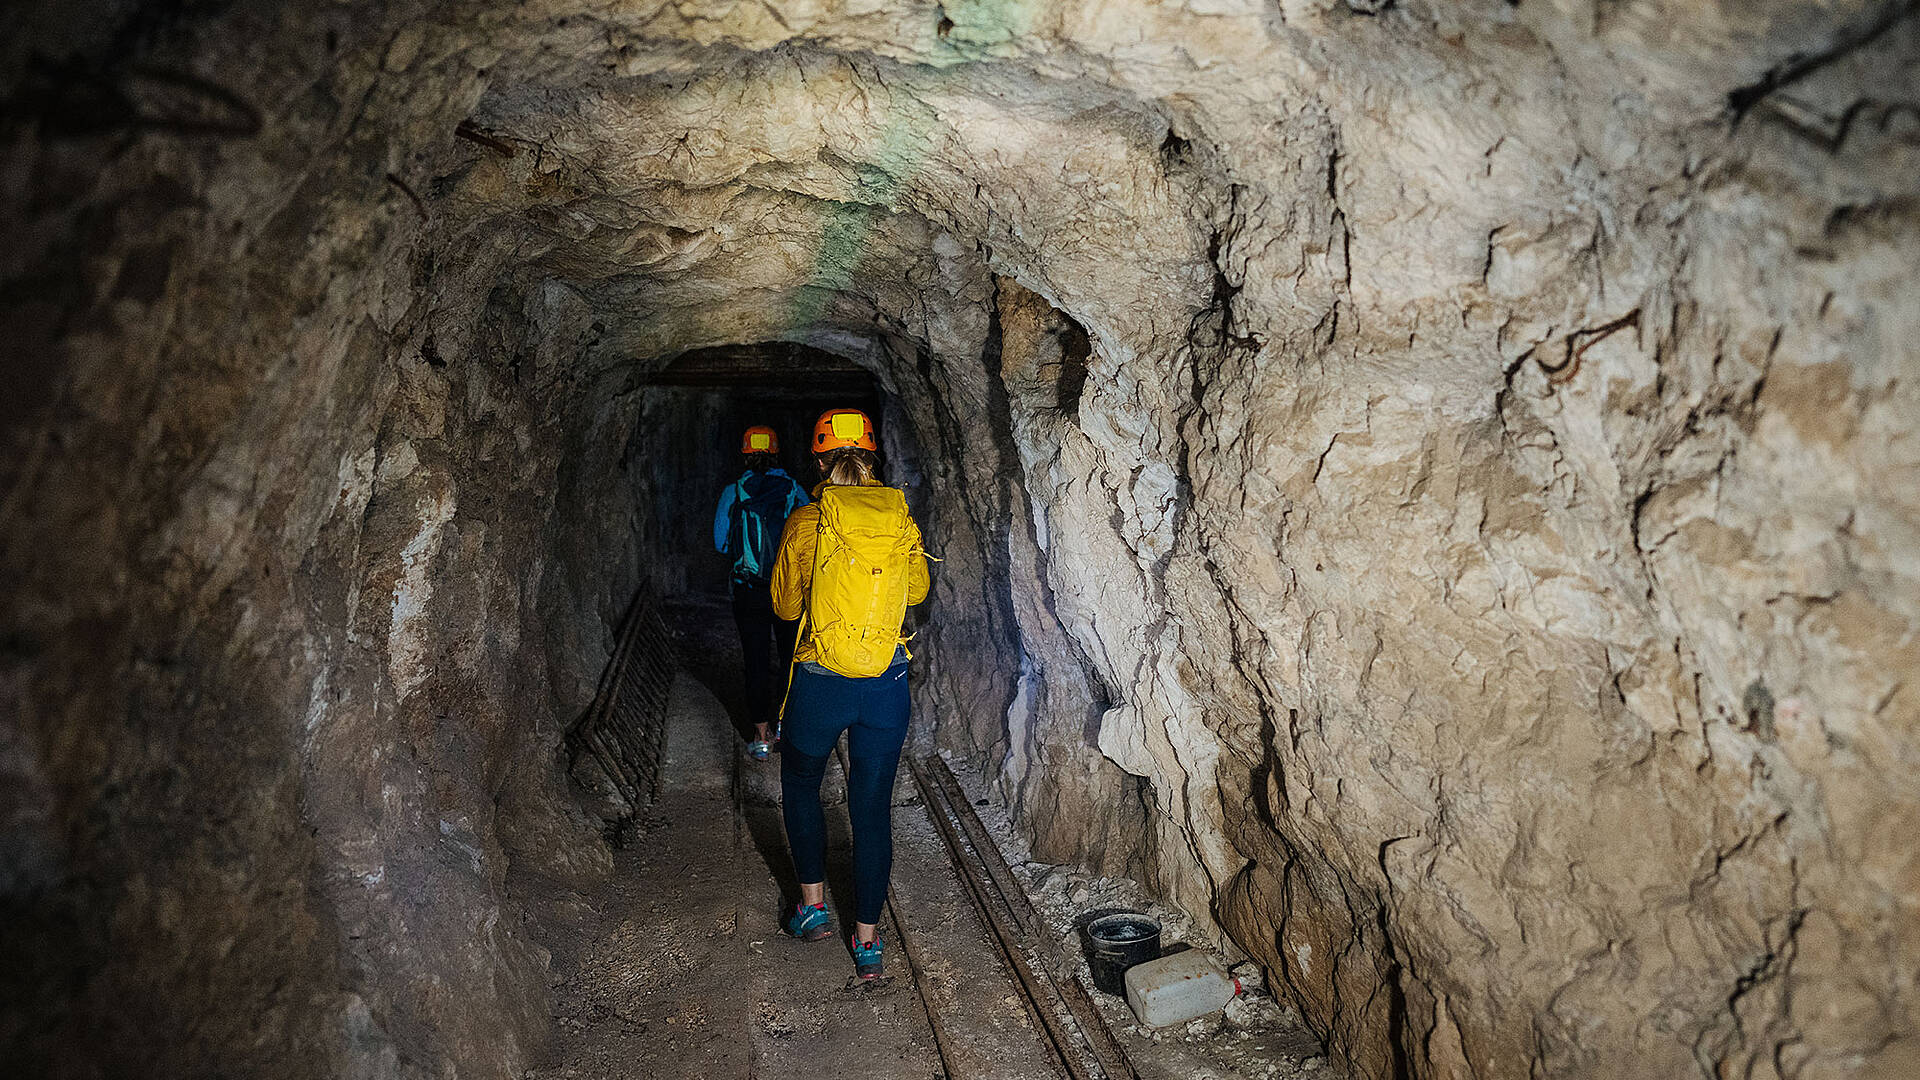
[
  {"x": 873, "y": 712},
  {"x": 766, "y": 647}
]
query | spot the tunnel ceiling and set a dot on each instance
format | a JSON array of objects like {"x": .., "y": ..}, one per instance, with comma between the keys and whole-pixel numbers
[
  {"x": 765, "y": 365},
  {"x": 1429, "y": 487},
  {"x": 772, "y": 185}
]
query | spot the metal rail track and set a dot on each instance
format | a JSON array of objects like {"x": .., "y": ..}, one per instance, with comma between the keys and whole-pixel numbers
[{"x": 1083, "y": 1046}]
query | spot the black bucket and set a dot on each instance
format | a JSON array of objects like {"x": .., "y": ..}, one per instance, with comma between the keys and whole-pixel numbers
[{"x": 1117, "y": 942}]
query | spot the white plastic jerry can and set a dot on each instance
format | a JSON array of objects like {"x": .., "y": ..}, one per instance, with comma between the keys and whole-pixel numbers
[{"x": 1177, "y": 988}]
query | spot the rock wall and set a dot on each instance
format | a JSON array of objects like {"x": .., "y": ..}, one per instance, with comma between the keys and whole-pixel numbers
[
  {"x": 293, "y": 496},
  {"x": 1431, "y": 486}
]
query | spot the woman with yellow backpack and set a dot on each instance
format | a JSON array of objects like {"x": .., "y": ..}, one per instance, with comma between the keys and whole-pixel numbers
[{"x": 850, "y": 564}]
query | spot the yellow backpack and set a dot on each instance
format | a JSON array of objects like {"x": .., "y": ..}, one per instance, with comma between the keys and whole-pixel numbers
[{"x": 860, "y": 561}]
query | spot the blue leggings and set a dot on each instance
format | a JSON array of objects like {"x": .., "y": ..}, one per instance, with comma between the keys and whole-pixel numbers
[{"x": 873, "y": 713}]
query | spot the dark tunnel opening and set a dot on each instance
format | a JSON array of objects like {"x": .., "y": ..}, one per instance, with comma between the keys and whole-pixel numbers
[{"x": 691, "y": 413}]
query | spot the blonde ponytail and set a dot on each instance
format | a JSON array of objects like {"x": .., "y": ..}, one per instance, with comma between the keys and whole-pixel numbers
[{"x": 851, "y": 466}]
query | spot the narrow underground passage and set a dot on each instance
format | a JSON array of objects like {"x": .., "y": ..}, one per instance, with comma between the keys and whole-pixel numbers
[
  {"x": 683, "y": 959},
  {"x": 1425, "y": 492}
]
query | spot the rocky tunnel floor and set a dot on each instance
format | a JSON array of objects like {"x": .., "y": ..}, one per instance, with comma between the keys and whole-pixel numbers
[
  {"x": 678, "y": 969},
  {"x": 677, "y": 965}
]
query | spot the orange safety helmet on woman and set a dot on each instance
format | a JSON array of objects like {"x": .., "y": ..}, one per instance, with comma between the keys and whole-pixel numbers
[
  {"x": 759, "y": 439},
  {"x": 843, "y": 427}
]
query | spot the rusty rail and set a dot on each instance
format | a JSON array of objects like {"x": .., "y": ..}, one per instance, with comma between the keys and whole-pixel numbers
[
  {"x": 1105, "y": 1048},
  {"x": 1084, "y": 1046}
]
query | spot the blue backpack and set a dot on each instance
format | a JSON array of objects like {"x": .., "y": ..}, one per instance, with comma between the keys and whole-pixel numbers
[{"x": 759, "y": 513}]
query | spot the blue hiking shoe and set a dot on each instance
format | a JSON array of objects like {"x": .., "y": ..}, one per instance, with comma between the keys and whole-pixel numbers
[
  {"x": 866, "y": 958},
  {"x": 757, "y": 749},
  {"x": 809, "y": 922}
]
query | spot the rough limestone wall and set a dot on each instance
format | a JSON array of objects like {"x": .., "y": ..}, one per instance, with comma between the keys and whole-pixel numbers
[
  {"x": 1564, "y": 694},
  {"x": 1073, "y": 802},
  {"x": 287, "y": 547}
]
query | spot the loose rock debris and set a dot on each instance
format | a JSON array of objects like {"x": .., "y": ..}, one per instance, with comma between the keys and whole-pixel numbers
[{"x": 1254, "y": 1036}]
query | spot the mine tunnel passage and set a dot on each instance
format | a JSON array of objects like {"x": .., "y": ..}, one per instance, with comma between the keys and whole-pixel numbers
[
  {"x": 1426, "y": 491},
  {"x": 700, "y": 844}
]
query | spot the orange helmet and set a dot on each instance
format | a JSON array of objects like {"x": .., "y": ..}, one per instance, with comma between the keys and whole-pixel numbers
[
  {"x": 843, "y": 427},
  {"x": 759, "y": 439}
]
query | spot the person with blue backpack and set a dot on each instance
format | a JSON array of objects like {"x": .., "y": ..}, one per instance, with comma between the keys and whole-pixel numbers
[{"x": 747, "y": 526}]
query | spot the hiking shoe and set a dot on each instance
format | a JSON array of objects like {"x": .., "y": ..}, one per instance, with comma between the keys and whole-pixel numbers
[
  {"x": 866, "y": 958},
  {"x": 809, "y": 923},
  {"x": 757, "y": 749}
]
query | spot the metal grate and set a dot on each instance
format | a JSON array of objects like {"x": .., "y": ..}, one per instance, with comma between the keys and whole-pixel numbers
[{"x": 616, "y": 746}]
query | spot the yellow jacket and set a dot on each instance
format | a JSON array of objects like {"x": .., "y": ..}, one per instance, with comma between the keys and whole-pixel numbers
[{"x": 793, "y": 569}]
